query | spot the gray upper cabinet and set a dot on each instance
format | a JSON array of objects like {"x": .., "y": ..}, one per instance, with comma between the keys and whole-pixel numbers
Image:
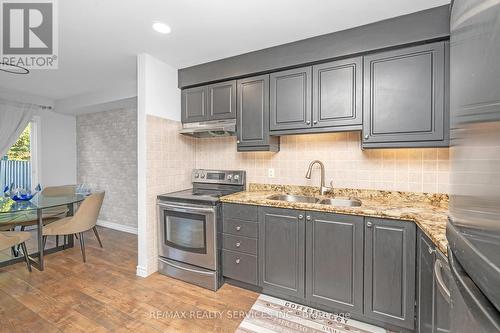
[
  {"x": 291, "y": 99},
  {"x": 390, "y": 271},
  {"x": 253, "y": 115},
  {"x": 334, "y": 261},
  {"x": 338, "y": 94},
  {"x": 282, "y": 248},
  {"x": 222, "y": 100},
  {"x": 405, "y": 97},
  {"x": 194, "y": 104}
]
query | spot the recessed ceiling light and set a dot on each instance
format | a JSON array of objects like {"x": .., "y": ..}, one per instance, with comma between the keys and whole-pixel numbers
[{"x": 161, "y": 28}]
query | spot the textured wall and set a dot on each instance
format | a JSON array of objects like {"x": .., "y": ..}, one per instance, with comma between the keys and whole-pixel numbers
[
  {"x": 415, "y": 170},
  {"x": 107, "y": 160},
  {"x": 170, "y": 160}
]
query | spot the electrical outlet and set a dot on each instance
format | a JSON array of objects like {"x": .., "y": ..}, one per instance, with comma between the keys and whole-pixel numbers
[{"x": 270, "y": 172}]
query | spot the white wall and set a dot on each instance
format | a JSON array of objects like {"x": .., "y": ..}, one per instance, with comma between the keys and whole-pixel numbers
[
  {"x": 57, "y": 149},
  {"x": 158, "y": 95}
]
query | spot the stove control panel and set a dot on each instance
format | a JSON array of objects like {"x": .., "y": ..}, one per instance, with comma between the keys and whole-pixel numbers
[{"x": 233, "y": 177}]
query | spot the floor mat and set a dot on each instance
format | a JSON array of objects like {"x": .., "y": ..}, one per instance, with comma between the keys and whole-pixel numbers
[{"x": 270, "y": 314}]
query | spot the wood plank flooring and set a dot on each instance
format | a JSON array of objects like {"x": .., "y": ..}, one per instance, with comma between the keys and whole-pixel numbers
[{"x": 105, "y": 295}]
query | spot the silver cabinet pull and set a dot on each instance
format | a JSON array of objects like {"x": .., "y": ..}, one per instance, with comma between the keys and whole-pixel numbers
[
  {"x": 308, "y": 217},
  {"x": 237, "y": 141},
  {"x": 369, "y": 224},
  {"x": 438, "y": 274},
  {"x": 238, "y": 244},
  {"x": 308, "y": 122},
  {"x": 431, "y": 251},
  {"x": 238, "y": 228},
  {"x": 315, "y": 122},
  {"x": 367, "y": 137},
  {"x": 301, "y": 217},
  {"x": 237, "y": 261}
]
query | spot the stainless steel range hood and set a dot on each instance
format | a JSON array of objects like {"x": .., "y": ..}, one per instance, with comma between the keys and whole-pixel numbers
[{"x": 211, "y": 128}]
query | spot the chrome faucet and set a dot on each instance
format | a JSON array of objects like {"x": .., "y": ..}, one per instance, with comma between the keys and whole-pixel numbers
[{"x": 322, "y": 189}]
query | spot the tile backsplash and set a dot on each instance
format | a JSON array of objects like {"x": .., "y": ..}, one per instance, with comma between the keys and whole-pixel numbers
[{"x": 347, "y": 165}]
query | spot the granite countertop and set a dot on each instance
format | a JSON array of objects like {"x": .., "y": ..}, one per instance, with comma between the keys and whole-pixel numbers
[{"x": 428, "y": 211}]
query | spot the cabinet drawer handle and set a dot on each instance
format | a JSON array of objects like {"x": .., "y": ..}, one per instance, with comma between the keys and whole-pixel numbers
[
  {"x": 308, "y": 122},
  {"x": 308, "y": 217},
  {"x": 301, "y": 217},
  {"x": 438, "y": 266},
  {"x": 237, "y": 261},
  {"x": 367, "y": 137},
  {"x": 237, "y": 141},
  {"x": 238, "y": 228},
  {"x": 431, "y": 251},
  {"x": 238, "y": 244},
  {"x": 369, "y": 224},
  {"x": 315, "y": 122}
]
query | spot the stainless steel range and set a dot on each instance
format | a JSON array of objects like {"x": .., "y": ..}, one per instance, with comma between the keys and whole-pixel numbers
[{"x": 188, "y": 227}]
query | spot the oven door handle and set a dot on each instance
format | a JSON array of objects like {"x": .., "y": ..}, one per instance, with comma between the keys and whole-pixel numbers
[{"x": 186, "y": 209}]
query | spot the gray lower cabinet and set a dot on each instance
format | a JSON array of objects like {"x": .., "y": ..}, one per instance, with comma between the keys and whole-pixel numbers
[
  {"x": 253, "y": 115},
  {"x": 282, "y": 250},
  {"x": 334, "y": 261},
  {"x": 425, "y": 284},
  {"x": 222, "y": 100},
  {"x": 389, "y": 293},
  {"x": 291, "y": 99},
  {"x": 240, "y": 230},
  {"x": 194, "y": 104},
  {"x": 406, "y": 97},
  {"x": 433, "y": 309},
  {"x": 338, "y": 94}
]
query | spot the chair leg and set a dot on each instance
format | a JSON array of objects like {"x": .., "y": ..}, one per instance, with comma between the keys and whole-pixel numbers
[
  {"x": 97, "y": 236},
  {"x": 25, "y": 251},
  {"x": 82, "y": 245},
  {"x": 76, "y": 236},
  {"x": 44, "y": 241},
  {"x": 57, "y": 240}
]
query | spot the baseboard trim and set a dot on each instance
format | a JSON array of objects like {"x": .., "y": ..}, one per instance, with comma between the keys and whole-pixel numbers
[
  {"x": 142, "y": 271},
  {"x": 117, "y": 226}
]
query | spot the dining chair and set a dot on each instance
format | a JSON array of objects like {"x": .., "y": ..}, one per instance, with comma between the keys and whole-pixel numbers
[
  {"x": 84, "y": 219},
  {"x": 9, "y": 239}
]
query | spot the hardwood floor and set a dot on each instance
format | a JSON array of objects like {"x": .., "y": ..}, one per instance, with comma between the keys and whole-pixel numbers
[{"x": 105, "y": 295}]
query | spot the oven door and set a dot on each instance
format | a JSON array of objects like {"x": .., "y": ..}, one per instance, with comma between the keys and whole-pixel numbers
[{"x": 188, "y": 233}]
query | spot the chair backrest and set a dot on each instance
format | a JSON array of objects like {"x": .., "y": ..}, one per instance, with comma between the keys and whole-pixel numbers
[
  {"x": 59, "y": 191},
  {"x": 86, "y": 216},
  {"x": 8, "y": 240}
]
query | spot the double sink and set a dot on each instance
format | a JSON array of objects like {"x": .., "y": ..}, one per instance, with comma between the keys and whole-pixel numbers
[{"x": 307, "y": 199}]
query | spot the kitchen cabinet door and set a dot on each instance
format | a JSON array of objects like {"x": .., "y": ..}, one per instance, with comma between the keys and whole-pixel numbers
[
  {"x": 405, "y": 97},
  {"x": 334, "y": 260},
  {"x": 282, "y": 247},
  {"x": 390, "y": 271},
  {"x": 425, "y": 284},
  {"x": 222, "y": 100},
  {"x": 252, "y": 116},
  {"x": 291, "y": 99},
  {"x": 194, "y": 105},
  {"x": 338, "y": 93}
]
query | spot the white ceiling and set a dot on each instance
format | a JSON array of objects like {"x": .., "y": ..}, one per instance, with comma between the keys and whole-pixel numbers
[{"x": 99, "y": 40}]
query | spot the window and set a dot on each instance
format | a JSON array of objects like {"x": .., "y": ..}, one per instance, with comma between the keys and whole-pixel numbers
[{"x": 16, "y": 167}]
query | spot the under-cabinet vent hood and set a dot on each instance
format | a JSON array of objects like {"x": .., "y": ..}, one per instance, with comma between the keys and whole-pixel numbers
[{"x": 211, "y": 128}]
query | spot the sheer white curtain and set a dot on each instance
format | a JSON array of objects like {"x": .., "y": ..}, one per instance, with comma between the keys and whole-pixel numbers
[{"x": 14, "y": 117}]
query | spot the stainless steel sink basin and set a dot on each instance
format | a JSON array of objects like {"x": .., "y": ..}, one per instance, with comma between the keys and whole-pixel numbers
[
  {"x": 293, "y": 198},
  {"x": 341, "y": 202}
]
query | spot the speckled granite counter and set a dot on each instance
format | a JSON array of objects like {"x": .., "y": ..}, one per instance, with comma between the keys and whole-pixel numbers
[{"x": 428, "y": 211}]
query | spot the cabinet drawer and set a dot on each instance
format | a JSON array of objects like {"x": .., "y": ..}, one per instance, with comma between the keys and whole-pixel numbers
[
  {"x": 242, "y": 212},
  {"x": 240, "y": 228},
  {"x": 239, "y": 266},
  {"x": 240, "y": 244}
]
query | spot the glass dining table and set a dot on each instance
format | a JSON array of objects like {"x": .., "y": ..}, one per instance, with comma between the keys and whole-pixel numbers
[{"x": 34, "y": 212}]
